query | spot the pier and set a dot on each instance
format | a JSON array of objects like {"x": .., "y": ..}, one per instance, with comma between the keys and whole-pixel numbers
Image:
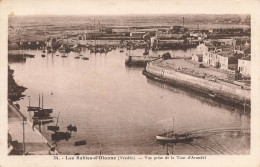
[
  {"x": 25, "y": 139},
  {"x": 175, "y": 72}
]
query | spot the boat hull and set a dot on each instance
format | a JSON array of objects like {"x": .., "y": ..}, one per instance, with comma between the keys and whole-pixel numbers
[{"x": 174, "y": 139}]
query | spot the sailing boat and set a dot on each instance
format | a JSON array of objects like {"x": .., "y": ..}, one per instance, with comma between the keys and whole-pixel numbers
[
  {"x": 33, "y": 108},
  {"x": 171, "y": 137},
  {"x": 56, "y": 127},
  {"x": 42, "y": 113}
]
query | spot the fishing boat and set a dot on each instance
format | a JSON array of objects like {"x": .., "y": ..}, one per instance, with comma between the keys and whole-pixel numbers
[
  {"x": 172, "y": 137},
  {"x": 56, "y": 127},
  {"x": 57, "y": 136},
  {"x": 34, "y": 108},
  {"x": 42, "y": 120},
  {"x": 31, "y": 108},
  {"x": 42, "y": 112},
  {"x": 84, "y": 58}
]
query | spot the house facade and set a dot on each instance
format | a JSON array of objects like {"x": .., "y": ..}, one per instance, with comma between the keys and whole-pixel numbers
[
  {"x": 244, "y": 66},
  {"x": 197, "y": 57}
]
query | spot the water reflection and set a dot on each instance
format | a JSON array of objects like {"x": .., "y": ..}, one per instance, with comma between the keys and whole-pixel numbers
[
  {"x": 200, "y": 97},
  {"x": 115, "y": 104}
]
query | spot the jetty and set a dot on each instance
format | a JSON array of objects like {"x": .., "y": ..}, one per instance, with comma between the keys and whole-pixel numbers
[
  {"x": 204, "y": 81},
  {"x": 23, "y": 138},
  {"x": 139, "y": 60}
]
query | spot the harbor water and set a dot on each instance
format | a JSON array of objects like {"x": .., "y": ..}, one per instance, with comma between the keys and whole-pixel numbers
[{"x": 117, "y": 110}]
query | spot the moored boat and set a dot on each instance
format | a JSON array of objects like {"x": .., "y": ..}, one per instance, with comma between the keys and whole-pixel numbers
[
  {"x": 84, "y": 58},
  {"x": 30, "y": 108}
]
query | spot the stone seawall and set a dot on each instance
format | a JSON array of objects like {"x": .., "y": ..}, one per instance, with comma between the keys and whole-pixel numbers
[
  {"x": 139, "y": 60},
  {"x": 220, "y": 90}
]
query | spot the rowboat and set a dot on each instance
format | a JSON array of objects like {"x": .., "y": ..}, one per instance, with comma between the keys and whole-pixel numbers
[
  {"x": 212, "y": 94},
  {"x": 57, "y": 136},
  {"x": 80, "y": 143},
  {"x": 85, "y": 58}
]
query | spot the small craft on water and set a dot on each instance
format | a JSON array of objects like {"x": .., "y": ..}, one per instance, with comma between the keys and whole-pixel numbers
[
  {"x": 211, "y": 94},
  {"x": 40, "y": 112},
  {"x": 53, "y": 128},
  {"x": 31, "y": 108},
  {"x": 172, "y": 137},
  {"x": 80, "y": 143},
  {"x": 57, "y": 136},
  {"x": 72, "y": 128},
  {"x": 84, "y": 58}
]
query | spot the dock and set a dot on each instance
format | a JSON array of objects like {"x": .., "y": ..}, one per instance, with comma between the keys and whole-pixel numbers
[{"x": 25, "y": 139}]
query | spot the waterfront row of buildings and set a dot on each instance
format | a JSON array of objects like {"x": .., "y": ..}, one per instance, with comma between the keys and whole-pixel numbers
[{"x": 227, "y": 54}]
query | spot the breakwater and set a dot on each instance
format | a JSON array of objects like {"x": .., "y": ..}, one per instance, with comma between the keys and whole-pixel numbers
[
  {"x": 139, "y": 60},
  {"x": 217, "y": 89}
]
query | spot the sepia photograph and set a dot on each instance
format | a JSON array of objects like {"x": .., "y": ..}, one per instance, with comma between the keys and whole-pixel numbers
[{"x": 98, "y": 85}]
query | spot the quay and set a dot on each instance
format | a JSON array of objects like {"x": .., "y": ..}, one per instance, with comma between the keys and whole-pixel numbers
[
  {"x": 139, "y": 60},
  {"x": 23, "y": 138},
  {"x": 181, "y": 73}
]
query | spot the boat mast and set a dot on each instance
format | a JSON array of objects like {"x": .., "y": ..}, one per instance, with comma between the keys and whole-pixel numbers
[
  {"x": 42, "y": 100},
  {"x": 245, "y": 107},
  {"x": 100, "y": 146},
  {"x": 95, "y": 35},
  {"x": 58, "y": 119},
  {"x": 173, "y": 124},
  {"x": 39, "y": 101},
  {"x": 29, "y": 101}
]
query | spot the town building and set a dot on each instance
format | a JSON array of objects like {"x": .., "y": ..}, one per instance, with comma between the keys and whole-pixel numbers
[
  {"x": 223, "y": 59},
  {"x": 197, "y": 57},
  {"x": 137, "y": 34},
  {"x": 244, "y": 66}
]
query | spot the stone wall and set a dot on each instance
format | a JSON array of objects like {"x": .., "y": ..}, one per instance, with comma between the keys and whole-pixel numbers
[{"x": 223, "y": 90}]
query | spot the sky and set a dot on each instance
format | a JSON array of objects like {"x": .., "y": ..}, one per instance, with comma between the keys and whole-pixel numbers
[{"x": 111, "y": 7}]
